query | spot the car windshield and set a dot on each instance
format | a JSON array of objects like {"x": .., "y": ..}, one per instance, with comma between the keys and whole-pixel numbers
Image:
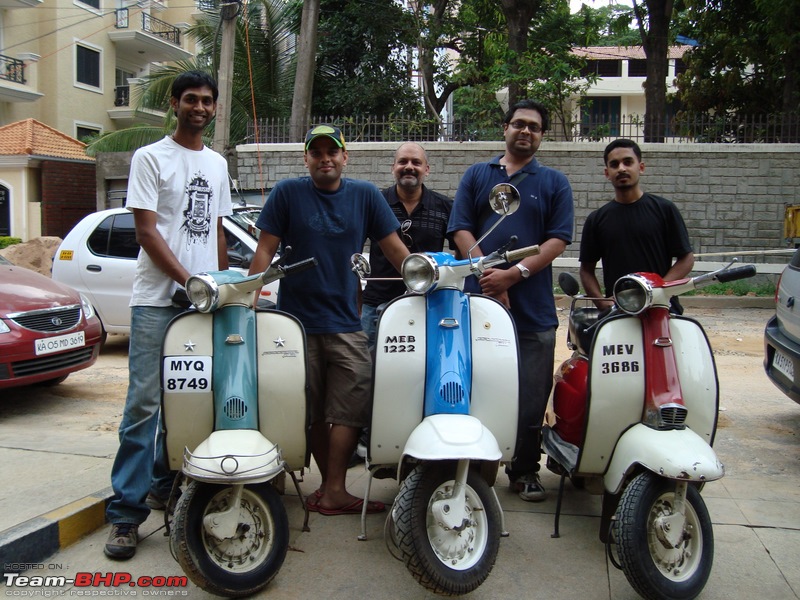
[{"x": 246, "y": 219}]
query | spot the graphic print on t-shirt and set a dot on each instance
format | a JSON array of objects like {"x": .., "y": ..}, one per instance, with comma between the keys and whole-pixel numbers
[{"x": 197, "y": 216}]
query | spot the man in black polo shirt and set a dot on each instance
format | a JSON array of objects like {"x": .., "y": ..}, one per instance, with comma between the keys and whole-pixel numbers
[{"x": 423, "y": 216}]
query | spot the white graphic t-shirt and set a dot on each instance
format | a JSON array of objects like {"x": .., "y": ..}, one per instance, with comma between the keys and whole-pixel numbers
[{"x": 189, "y": 190}]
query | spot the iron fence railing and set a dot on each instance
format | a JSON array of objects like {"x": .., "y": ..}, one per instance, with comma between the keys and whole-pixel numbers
[
  {"x": 680, "y": 128},
  {"x": 12, "y": 69},
  {"x": 122, "y": 95},
  {"x": 161, "y": 29}
]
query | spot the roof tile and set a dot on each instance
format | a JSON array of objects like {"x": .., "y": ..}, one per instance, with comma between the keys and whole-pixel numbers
[{"x": 34, "y": 138}]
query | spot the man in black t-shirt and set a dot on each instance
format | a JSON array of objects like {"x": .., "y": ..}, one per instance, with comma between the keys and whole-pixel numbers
[
  {"x": 423, "y": 216},
  {"x": 635, "y": 232}
]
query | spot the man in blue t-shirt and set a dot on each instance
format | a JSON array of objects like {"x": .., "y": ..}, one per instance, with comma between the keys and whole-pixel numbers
[
  {"x": 328, "y": 217},
  {"x": 545, "y": 217}
]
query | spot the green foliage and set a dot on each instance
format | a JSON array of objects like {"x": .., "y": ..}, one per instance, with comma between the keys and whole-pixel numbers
[
  {"x": 743, "y": 287},
  {"x": 748, "y": 60},
  {"x": 6, "y": 241},
  {"x": 360, "y": 60}
]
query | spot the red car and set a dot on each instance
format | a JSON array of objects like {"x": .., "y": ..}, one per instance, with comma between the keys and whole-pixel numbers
[{"x": 47, "y": 330}]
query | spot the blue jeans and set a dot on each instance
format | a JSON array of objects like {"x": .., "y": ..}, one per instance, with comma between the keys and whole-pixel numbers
[
  {"x": 369, "y": 322},
  {"x": 537, "y": 357},
  {"x": 141, "y": 465}
]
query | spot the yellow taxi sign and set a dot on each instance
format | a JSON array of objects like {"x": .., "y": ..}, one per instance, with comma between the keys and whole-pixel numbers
[{"x": 65, "y": 255}]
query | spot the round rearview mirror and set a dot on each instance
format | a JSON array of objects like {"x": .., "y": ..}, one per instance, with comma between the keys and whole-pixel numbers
[
  {"x": 504, "y": 199},
  {"x": 360, "y": 265}
]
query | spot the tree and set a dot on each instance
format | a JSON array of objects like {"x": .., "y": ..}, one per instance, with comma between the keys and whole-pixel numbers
[
  {"x": 306, "y": 62},
  {"x": 747, "y": 60},
  {"x": 519, "y": 14}
]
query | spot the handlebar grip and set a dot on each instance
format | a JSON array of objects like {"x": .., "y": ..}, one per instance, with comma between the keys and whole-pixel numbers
[
  {"x": 742, "y": 272},
  {"x": 308, "y": 263},
  {"x": 520, "y": 253}
]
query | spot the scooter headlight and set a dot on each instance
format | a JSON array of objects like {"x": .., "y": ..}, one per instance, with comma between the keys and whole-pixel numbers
[
  {"x": 420, "y": 273},
  {"x": 633, "y": 294},
  {"x": 203, "y": 292}
]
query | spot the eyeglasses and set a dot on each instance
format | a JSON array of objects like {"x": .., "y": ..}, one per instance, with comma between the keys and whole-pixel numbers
[
  {"x": 532, "y": 127},
  {"x": 404, "y": 227}
]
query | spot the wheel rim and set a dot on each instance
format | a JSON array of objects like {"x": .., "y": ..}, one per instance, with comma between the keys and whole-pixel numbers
[
  {"x": 459, "y": 550},
  {"x": 252, "y": 542},
  {"x": 676, "y": 564}
]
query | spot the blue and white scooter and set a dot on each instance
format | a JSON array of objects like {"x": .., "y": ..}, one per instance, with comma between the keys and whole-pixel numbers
[
  {"x": 445, "y": 413},
  {"x": 234, "y": 405}
]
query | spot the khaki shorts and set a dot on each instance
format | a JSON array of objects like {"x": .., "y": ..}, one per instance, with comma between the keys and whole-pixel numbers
[{"x": 339, "y": 378}]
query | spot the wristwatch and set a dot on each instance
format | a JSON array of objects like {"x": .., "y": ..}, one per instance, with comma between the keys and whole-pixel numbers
[{"x": 524, "y": 270}]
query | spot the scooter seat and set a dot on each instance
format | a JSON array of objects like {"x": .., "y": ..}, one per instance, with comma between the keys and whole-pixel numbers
[{"x": 582, "y": 323}]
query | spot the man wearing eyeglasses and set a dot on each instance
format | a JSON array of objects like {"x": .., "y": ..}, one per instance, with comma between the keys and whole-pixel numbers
[
  {"x": 545, "y": 217},
  {"x": 423, "y": 216}
]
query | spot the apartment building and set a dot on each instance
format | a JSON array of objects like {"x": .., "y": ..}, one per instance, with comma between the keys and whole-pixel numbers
[
  {"x": 74, "y": 64},
  {"x": 617, "y": 98}
]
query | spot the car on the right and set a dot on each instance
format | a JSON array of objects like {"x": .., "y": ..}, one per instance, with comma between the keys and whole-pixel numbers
[{"x": 782, "y": 334}]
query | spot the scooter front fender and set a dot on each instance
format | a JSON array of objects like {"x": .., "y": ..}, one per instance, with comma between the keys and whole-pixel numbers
[
  {"x": 234, "y": 456},
  {"x": 676, "y": 454},
  {"x": 442, "y": 437}
]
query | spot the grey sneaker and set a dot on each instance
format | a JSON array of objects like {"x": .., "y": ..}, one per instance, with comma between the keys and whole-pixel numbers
[
  {"x": 122, "y": 540},
  {"x": 530, "y": 488}
]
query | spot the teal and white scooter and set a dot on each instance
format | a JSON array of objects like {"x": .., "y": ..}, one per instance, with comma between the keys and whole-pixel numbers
[{"x": 234, "y": 406}]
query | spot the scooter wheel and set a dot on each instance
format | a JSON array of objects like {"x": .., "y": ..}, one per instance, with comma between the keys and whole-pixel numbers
[
  {"x": 446, "y": 561},
  {"x": 659, "y": 562},
  {"x": 244, "y": 563}
]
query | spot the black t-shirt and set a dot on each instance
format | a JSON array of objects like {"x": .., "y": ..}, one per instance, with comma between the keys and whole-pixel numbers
[
  {"x": 427, "y": 232},
  {"x": 641, "y": 237}
]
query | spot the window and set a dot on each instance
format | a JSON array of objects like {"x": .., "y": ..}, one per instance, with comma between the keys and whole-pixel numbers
[
  {"x": 680, "y": 66},
  {"x": 115, "y": 237},
  {"x": 93, "y": 3},
  {"x": 602, "y": 118},
  {"x": 637, "y": 68},
  {"x": 603, "y": 68},
  {"x": 87, "y": 66},
  {"x": 82, "y": 133}
]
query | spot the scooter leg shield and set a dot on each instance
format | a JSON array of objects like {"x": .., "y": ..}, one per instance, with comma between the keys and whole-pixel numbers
[{"x": 674, "y": 454}]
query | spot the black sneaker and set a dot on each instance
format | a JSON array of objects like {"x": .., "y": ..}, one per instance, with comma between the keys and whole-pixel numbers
[
  {"x": 155, "y": 503},
  {"x": 122, "y": 540},
  {"x": 530, "y": 488}
]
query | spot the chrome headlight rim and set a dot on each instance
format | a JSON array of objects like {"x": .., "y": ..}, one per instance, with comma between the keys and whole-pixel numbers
[
  {"x": 420, "y": 273},
  {"x": 203, "y": 292},
  {"x": 633, "y": 294},
  {"x": 88, "y": 309}
]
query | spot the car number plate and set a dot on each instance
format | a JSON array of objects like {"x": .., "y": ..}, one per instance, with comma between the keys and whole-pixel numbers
[
  {"x": 186, "y": 374},
  {"x": 59, "y": 343},
  {"x": 783, "y": 364}
]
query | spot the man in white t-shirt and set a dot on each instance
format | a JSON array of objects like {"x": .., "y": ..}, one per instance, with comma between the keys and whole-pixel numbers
[{"x": 178, "y": 191}]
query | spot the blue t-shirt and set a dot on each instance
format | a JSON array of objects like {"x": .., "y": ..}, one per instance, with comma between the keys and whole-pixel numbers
[
  {"x": 545, "y": 212},
  {"x": 331, "y": 227}
]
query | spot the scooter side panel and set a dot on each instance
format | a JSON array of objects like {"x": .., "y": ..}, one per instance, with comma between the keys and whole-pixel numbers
[
  {"x": 282, "y": 383},
  {"x": 188, "y": 411},
  {"x": 698, "y": 374},
  {"x": 616, "y": 390},
  {"x": 495, "y": 371},
  {"x": 398, "y": 378}
]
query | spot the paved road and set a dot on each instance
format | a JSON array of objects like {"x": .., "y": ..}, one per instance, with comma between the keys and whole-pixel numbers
[{"x": 56, "y": 445}]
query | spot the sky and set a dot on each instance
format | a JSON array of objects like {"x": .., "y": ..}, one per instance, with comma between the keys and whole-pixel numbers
[{"x": 575, "y": 5}]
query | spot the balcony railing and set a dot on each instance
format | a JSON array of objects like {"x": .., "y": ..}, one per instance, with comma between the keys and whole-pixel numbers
[
  {"x": 682, "y": 128},
  {"x": 12, "y": 69},
  {"x": 151, "y": 25}
]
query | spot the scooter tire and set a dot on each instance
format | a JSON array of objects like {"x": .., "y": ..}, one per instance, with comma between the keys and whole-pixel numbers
[
  {"x": 654, "y": 571},
  {"x": 259, "y": 547},
  {"x": 447, "y": 562}
]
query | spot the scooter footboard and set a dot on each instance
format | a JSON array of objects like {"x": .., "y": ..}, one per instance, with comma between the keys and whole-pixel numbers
[{"x": 187, "y": 394}]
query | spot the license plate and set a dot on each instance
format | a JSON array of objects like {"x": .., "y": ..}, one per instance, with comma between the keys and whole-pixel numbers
[
  {"x": 59, "y": 343},
  {"x": 186, "y": 374},
  {"x": 783, "y": 364}
]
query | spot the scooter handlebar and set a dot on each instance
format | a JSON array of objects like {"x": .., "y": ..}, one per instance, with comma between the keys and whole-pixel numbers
[
  {"x": 520, "y": 253},
  {"x": 738, "y": 273},
  {"x": 297, "y": 267}
]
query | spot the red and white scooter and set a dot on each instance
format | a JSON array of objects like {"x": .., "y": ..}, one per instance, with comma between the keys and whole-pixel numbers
[{"x": 635, "y": 416}]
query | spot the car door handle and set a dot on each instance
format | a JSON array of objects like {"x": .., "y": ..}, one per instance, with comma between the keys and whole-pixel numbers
[{"x": 94, "y": 268}]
